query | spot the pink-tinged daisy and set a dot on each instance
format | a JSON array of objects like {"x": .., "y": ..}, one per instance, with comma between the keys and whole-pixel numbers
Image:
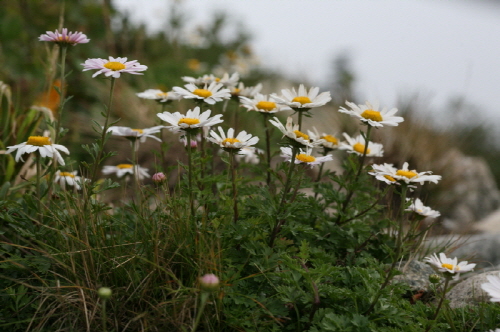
[
  {"x": 261, "y": 103},
  {"x": 302, "y": 99},
  {"x": 292, "y": 132},
  {"x": 71, "y": 38},
  {"x": 209, "y": 94},
  {"x": 70, "y": 179},
  {"x": 229, "y": 142},
  {"x": 356, "y": 145},
  {"x": 304, "y": 157},
  {"x": 492, "y": 288},
  {"x": 370, "y": 114},
  {"x": 140, "y": 134},
  {"x": 126, "y": 169},
  {"x": 192, "y": 120},
  {"x": 42, "y": 145},
  {"x": 159, "y": 95},
  {"x": 113, "y": 67},
  {"x": 449, "y": 265},
  {"x": 419, "y": 208},
  {"x": 327, "y": 141}
]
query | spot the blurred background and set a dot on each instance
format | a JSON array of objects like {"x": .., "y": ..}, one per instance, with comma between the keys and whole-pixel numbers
[{"x": 438, "y": 62}]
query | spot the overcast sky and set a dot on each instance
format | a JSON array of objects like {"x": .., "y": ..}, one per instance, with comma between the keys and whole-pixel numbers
[{"x": 439, "y": 49}]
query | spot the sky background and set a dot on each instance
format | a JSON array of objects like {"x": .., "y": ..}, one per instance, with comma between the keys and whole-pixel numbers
[{"x": 436, "y": 49}]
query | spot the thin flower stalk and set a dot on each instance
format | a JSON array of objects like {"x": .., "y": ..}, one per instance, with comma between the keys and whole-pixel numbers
[
  {"x": 358, "y": 173},
  {"x": 233, "y": 180},
  {"x": 441, "y": 301},
  {"x": 38, "y": 188},
  {"x": 104, "y": 134},
  {"x": 286, "y": 189},
  {"x": 268, "y": 148},
  {"x": 62, "y": 92},
  {"x": 190, "y": 174}
]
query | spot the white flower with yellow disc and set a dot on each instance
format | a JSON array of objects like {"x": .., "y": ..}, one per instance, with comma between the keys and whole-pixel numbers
[
  {"x": 419, "y": 208},
  {"x": 449, "y": 265},
  {"x": 159, "y": 95},
  {"x": 261, "y": 103},
  {"x": 356, "y": 145},
  {"x": 68, "y": 178},
  {"x": 210, "y": 94},
  {"x": 126, "y": 169},
  {"x": 370, "y": 114},
  {"x": 304, "y": 157},
  {"x": 230, "y": 142},
  {"x": 113, "y": 66},
  {"x": 140, "y": 134},
  {"x": 41, "y": 144},
  {"x": 302, "y": 99},
  {"x": 292, "y": 132},
  {"x": 192, "y": 120}
]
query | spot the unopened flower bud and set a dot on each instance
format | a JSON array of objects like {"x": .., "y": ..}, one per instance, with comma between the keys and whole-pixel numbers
[
  {"x": 434, "y": 278},
  {"x": 159, "y": 177},
  {"x": 209, "y": 282},
  {"x": 104, "y": 293}
]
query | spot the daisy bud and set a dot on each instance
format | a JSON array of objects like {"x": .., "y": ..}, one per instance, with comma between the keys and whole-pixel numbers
[
  {"x": 434, "y": 278},
  {"x": 104, "y": 293},
  {"x": 209, "y": 282},
  {"x": 158, "y": 177}
]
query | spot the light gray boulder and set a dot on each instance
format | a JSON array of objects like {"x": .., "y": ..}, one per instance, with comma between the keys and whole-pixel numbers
[{"x": 469, "y": 291}]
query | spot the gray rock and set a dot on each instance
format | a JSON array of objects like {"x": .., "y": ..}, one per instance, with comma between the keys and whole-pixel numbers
[
  {"x": 415, "y": 274},
  {"x": 469, "y": 291}
]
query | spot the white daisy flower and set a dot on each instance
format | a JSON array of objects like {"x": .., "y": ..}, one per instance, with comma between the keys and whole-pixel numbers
[
  {"x": 209, "y": 94},
  {"x": 327, "y": 141},
  {"x": 229, "y": 81},
  {"x": 242, "y": 91},
  {"x": 159, "y": 95},
  {"x": 384, "y": 173},
  {"x": 449, "y": 265},
  {"x": 405, "y": 175},
  {"x": 418, "y": 207},
  {"x": 68, "y": 178},
  {"x": 192, "y": 120},
  {"x": 202, "y": 80},
  {"x": 126, "y": 169},
  {"x": 301, "y": 99},
  {"x": 228, "y": 141},
  {"x": 492, "y": 288},
  {"x": 357, "y": 145},
  {"x": 292, "y": 132},
  {"x": 249, "y": 155},
  {"x": 141, "y": 134},
  {"x": 304, "y": 157},
  {"x": 370, "y": 114},
  {"x": 42, "y": 145},
  {"x": 113, "y": 67},
  {"x": 261, "y": 103}
]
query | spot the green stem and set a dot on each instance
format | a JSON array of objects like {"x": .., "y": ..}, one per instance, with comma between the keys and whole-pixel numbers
[
  {"x": 235, "y": 193},
  {"x": 102, "y": 141},
  {"x": 62, "y": 92},
  {"x": 38, "y": 189},
  {"x": 441, "y": 301},
  {"x": 268, "y": 148},
  {"x": 104, "y": 318},
  {"x": 203, "y": 301},
  {"x": 190, "y": 175},
  {"x": 286, "y": 189},
  {"x": 355, "y": 180}
]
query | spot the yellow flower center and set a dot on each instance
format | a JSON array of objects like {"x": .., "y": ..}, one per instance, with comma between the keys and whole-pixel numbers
[
  {"x": 407, "y": 174},
  {"x": 203, "y": 93},
  {"x": 360, "y": 148},
  {"x": 189, "y": 121},
  {"x": 217, "y": 79},
  {"x": 266, "y": 105},
  {"x": 38, "y": 140},
  {"x": 71, "y": 175},
  {"x": 236, "y": 91},
  {"x": 140, "y": 131},
  {"x": 330, "y": 138},
  {"x": 301, "y": 134},
  {"x": 450, "y": 267},
  {"x": 113, "y": 65},
  {"x": 162, "y": 94},
  {"x": 372, "y": 115},
  {"x": 302, "y": 100},
  {"x": 229, "y": 141},
  {"x": 390, "y": 178},
  {"x": 61, "y": 38},
  {"x": 305, "y": 158},
  {"x": 122, "y": 166}
]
